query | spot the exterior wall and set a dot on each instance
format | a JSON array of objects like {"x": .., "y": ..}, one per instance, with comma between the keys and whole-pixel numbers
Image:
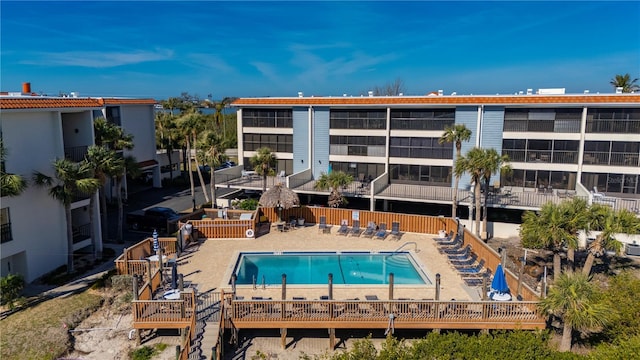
[
  {"x": 491, "y": 134},
  {"x": 301, "y": 144},
  {"x": 467, "y": 116},
  {"x": 138, "y": 120},
  {"x": 41, "y": 247},
  {"x": 320, "y": 141}
]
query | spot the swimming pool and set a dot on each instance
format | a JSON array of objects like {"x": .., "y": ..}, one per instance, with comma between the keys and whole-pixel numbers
[{"x": 311, "y": 268}]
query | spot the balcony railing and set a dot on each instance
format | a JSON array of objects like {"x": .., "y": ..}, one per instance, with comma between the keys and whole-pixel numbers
[
  {"x": 5, "y": 231},
  {"x": 545, "y": 156},
  {"x": 75, "y": 153},
  {"x": 614, "y": 158},
  {"x": 81, "y": 233}
]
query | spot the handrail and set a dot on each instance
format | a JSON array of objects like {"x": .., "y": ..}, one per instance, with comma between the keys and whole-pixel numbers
[{"x": 403, "y": 245}]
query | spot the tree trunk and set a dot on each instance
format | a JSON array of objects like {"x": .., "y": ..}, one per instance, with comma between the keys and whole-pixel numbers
[
  {"x": 119, "y": 238},
  {"x": 588, "y": 264},
  {"x": 91, "y": 230},
  {"x": 557, "y": 268},
  {"x": 477, "y": 201},
  {"x": 212, "y": 186},
  {"x": 264, "y": 181},
  {"x": 192, "y": 187},
  {"x": 202, "y": 184},
  {"x": 565, "y": 343},
  {"x": 169, "y": 153},
  {"x": 484, "y": 212},
  {"x": 103, "y": 214},
  {"x": 67, "y": 212},
  {"x": 571, "y": 259},
  {"x": 454, "y": 206}
]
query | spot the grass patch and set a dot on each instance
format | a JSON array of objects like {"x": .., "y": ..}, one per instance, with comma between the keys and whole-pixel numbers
[
  {"x": 147, "y": 352},
  {"x": 41, "y": 332}
]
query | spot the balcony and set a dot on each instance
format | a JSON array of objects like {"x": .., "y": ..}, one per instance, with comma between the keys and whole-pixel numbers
[
  {"x": 75, "y": 153},
  {"x": 614, "y": 158},
  {"x": 81, "y": 233},
  {"x": 5, "y": 232}
]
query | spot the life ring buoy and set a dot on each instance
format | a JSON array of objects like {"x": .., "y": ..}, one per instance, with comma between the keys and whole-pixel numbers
[{"x": 249, "y": 233}]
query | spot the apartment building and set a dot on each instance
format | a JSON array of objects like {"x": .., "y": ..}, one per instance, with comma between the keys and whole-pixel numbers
[
  {"x": 559, "y": 144},
  {"x": 36, "y": 130}
]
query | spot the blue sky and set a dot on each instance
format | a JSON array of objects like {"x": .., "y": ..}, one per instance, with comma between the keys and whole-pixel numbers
[{"x": 163, "y": 48}]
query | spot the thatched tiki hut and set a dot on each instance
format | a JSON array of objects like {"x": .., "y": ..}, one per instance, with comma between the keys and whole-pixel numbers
[{"x": 279, "y": 197}]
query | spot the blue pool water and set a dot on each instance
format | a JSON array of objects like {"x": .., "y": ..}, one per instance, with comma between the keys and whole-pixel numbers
[{"x": 352, "y": 268}]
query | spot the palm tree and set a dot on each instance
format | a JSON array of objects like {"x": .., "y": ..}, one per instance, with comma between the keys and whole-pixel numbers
[
  {"x": 609, "y": 223},
  {"x": 213, "y": 153},
  {"x": 334, "y": 181},
  {"x": 167, "y": 136},
  {"x": 71, "y": 179},
  {"x": 494, "y": 163},
  {"x": 125, "y": 166},
  {"x": 574, "y": 299},
  {"x": 576, "y": 212},
  {"x": 218, "y": 116},
  {"x": 474, "y": 164},
  {"x": 264, "y": 163},
  {"x": 455, "y": 134},
  {"x": 103, "y": 161},
  {"x": 11, "y": 184},
  {"x": 189, "y": 123},
  {"x": 625, "y": 82}
]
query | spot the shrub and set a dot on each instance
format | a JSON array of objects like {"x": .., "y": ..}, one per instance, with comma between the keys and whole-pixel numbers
[
  {"x": 10, "y": 288},
  {"x": 122, "y": 282}
]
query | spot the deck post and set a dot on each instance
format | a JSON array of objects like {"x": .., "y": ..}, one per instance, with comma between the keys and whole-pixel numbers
[
  {"x": 485, "y": 282},
  {"x": 438, "y": 287},
  {"x": 283, "y": 338},
  {"x": 125, "y": 253},
  {"x": 332, "y": 339},
  {"x": 330, "y": 286},
  {"x": 180, "y": 282},
  {"x": 149, "y": 275},
  {"x": 178, "y": 351},
  {"x": 391, "y": 286},
  {"x": 134, "y": 280}
]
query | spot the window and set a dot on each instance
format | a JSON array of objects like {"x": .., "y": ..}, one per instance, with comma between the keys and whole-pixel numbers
[
  {"x": 536, "y": 178},
  {"x": 420, "y": 119},
  {"x": 113, "y": 115},
  {"x": 277, "y": 143},
  {"x": 613, "y": 120},
  {"x": 542, "y": 120},
  {"x": 368, "y": 170},
  {"x": 5, "y": 222},
  {"x": 424, "y": 148},
  {"x": 357, "y": 145},
  {"x": 358, "y": 119},
  {"x": 420, "y": 175},
  {"x": 274, "y": 118}
]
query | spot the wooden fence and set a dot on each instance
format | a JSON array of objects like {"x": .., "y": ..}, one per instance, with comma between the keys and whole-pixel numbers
[
  {"x": 406, "y": 314},
  {"x": 334, "y": 216}
]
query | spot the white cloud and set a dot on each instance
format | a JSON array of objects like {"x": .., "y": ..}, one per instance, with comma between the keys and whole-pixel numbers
[{"x": 96, "y": 59}]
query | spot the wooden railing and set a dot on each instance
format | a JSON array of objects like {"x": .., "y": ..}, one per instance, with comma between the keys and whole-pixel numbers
[
  {"x": 132, "y": 261},
  {"x": 408, "y": 222},
  {"x": 165, "y": 314},
  {"x": 423, "y": 314}
]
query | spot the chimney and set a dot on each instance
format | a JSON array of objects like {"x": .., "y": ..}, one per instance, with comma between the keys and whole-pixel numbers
[
  {"x": 300, "y": 94},
  {"x": 529, "y": 91},
  {"x": 370, "y": 93},
  {"x": 619, "y": 90},
  {"x": 26, "y": 88},
  {"x": 440, "y": 92}
]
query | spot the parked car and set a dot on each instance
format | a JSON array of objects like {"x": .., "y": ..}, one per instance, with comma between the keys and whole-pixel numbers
[{"x": 152, "y": 218}]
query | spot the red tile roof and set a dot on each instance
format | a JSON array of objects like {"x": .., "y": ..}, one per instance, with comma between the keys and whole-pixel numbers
[
  {"x": 41, "y": 102},
  {"x": 445, "y": 100}
]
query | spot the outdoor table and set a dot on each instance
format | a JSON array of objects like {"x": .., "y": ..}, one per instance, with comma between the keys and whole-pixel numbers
[{"x": 172, "y": 295}]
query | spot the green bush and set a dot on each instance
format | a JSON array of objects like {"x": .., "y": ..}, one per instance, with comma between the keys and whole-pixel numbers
[
  {"x": 248, "y": 204},
  {"x": 147, "y": 352},
  {"x": 10, "y": 288},
  {"x": 122, "y": 282}
]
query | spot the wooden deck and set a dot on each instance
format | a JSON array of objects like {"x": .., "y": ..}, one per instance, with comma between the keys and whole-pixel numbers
[{"x": 406, "y": 314}]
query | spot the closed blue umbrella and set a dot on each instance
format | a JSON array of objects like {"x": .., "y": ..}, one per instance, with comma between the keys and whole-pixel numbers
[
  {"x": 499, "y": 282},
  {"x": 156, "y": 243}
]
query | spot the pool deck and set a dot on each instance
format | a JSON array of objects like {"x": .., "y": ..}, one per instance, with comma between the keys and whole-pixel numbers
[{"x": 209, "y": 265}]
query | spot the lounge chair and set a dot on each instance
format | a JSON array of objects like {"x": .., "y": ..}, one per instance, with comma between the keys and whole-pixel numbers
[
  {"x": 381, "y": 233},
  {"x": 460, "y": 254},
  {"x": 323, "y": 227},
  {"x": 344, "y": 227},
  {"x": 473, "y": 269},
  {"x": 355, "y": 229},
  {"x": 370, "y": 230},
  {"x": 465, "y": 262},
  {"x": 395, "y": 230}
]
